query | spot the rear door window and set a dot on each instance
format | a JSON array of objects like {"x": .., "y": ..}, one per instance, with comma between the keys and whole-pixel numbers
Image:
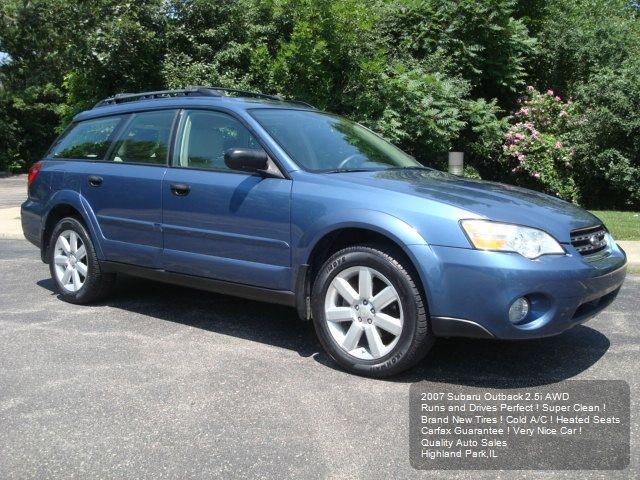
[
  {"x": 145, "y": 138},
  {"x": 88, "y": 140}
]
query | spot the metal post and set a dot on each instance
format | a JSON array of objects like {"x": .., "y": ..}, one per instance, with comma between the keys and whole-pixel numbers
[{"x": 456, "y": 163}]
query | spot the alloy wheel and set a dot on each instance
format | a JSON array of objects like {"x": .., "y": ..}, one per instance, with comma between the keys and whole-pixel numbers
[
  {"x": 70, "y": 261},
  {"x": 363, "y": 312}
]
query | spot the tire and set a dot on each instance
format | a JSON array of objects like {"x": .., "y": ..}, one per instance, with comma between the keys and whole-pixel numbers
[
  {"x": 394, "y": 336},
  {"x": 74, "y": 265}
]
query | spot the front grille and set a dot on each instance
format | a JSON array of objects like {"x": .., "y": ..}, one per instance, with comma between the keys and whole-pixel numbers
[{"x": 590, "y": 240}]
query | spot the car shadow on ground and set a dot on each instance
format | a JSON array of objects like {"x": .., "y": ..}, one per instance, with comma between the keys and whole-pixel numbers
[{"x": 471, "y": 362}]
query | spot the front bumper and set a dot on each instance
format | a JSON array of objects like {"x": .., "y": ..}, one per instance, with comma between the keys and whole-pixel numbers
[{"x": 469, "y": 292}]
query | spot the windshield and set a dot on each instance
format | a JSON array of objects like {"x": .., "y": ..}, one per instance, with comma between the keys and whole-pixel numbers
[{"x": 327, "y": 143}]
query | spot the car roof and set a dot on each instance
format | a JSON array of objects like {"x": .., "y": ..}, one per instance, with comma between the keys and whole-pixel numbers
[{"x": 227, "y": 102}]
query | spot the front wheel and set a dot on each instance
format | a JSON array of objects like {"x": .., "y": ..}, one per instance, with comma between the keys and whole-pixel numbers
[
  {"x": 74, "y": 265},
  {"x": 369, "y": 313}
]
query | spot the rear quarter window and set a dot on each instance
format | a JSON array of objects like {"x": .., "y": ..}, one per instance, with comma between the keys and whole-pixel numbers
[{"x": 88, "y": 140}]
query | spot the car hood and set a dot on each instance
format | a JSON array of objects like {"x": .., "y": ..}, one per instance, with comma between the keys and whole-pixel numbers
[{"x": 495, "y": 201}]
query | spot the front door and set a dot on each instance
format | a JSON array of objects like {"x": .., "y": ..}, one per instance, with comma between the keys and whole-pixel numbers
[{"x": 219, "y": 223}]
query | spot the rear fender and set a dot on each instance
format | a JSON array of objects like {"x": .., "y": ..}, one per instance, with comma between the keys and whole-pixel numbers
[{"x": 79, "y": 203}]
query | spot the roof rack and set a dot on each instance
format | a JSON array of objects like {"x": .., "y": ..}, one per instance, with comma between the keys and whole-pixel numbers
[
  {"x": 193, "y": 91},
  {"x": 299, "y": 102},
  {"x": 132, "y": 97},
  {"x": 247, "y": 93}
]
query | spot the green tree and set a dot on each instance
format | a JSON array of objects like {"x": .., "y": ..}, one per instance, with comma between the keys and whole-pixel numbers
[
  {"x": 590, "y": 50},
  {"x": 10, "y": 136},
  {"x": 430, "y": 75},
  {"x": 63, "y": 57},
  {"x": 121, "y": 49},
  {"x": 211, "y": 43},
  {"x": 607, "y": 143},
  {"x": 579, "y": 37},
  {"x": 479, "y": 40},
  {"x": 31, "y": 78}
]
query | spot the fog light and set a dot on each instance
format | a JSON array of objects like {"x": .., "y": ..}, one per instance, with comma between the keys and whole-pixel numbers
[{"x": 518, "y": 310}]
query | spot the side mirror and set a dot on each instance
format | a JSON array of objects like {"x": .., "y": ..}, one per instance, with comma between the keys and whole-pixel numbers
[{"x": 246, "y": 160}]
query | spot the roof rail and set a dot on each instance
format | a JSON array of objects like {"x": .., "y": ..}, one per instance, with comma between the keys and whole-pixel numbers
[
  {"x": 300, "y": 102},
  {"x": 132, "y": 97},
  {"x": 194, "y": 91},
  {"x": 247, "y": 93}
]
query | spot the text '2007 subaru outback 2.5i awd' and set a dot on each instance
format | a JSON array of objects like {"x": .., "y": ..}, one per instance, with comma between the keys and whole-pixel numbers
[{"x": 257, "y": 197}]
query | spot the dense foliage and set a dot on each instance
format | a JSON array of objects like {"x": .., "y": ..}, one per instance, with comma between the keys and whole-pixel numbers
[
  {"x": 536, "y": 150},
  {"x": 430, "y": 75},
  {"x": 590, "y": 51}
]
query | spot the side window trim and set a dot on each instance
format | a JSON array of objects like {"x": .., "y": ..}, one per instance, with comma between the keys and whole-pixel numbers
[
  {"x": 176, "y": 145},
  {"x": 63, "y": 134},
  {"x": 116, "y": 134}
]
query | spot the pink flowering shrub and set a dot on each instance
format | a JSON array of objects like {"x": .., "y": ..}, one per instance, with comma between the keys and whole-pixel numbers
[{"x": 536, "y": 149}]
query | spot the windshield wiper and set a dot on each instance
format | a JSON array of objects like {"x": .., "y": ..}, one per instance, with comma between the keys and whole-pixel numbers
[
  {"x": 416, "y": 167},
  {"x": 341, "y": 170}
]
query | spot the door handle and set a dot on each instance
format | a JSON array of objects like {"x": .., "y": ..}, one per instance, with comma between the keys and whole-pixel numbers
[
  {"x": 95, "y": 180},
  {"x": 180, "y": 189}
]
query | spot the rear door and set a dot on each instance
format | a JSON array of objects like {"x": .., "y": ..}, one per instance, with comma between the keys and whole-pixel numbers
[
  {"x": 124, "y": 191},
  {"x": 219, "y": 223}
]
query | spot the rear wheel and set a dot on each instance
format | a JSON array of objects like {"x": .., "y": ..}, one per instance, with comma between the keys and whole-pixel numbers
[
  {"x": 74, "y": 265},
  {"x": 368, "y": 312}
]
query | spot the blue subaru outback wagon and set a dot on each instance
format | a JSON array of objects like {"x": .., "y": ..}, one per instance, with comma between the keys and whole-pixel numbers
[{"x": 249, "y": 195}]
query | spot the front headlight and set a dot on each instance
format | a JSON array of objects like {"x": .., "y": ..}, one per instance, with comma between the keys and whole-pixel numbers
[{"x": 505, "y": 237}]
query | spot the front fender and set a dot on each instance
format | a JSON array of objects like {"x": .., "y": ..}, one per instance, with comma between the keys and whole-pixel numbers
[
  {"x": 398, "y": 231},
  {"x": 392, "y": 227}
]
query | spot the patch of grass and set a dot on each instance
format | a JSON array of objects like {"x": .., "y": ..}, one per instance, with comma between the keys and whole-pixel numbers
[{"x": 622, "y": 225}]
